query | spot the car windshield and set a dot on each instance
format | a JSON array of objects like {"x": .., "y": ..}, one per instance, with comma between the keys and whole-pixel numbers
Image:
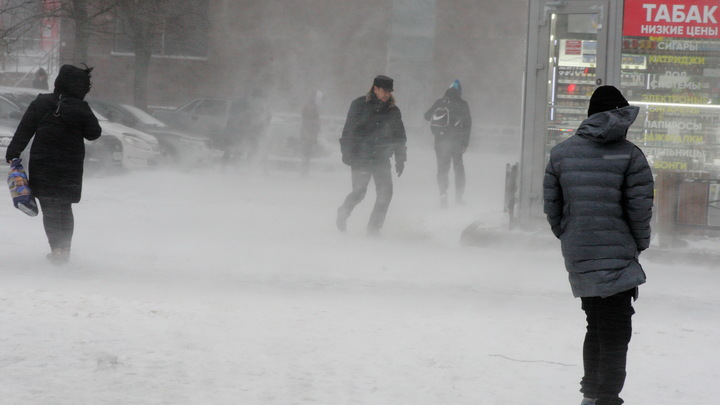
[
  {"x": 143, "y": 117},
  {"x": 99, "y": 116},
  {"x": 22, "y": 100}
]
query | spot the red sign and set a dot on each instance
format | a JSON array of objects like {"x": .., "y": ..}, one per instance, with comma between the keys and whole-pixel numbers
[
  {"x": 49, "y": 34},
  {"x": 573, "y": 47},
  {"x": 672, "y": 18}
]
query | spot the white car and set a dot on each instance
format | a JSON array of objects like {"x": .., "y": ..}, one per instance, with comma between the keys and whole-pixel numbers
[
  {"x": 10, "y": 114},
  {"x": 120, "y": 146},
  {"x": 177, "y": 147},
  {"x": 6, "y": 134}
]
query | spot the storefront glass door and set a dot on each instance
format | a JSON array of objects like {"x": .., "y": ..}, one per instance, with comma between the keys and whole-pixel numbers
[
  {"x": 576, "y": 55},
  {"x": 567, "y": 59}
]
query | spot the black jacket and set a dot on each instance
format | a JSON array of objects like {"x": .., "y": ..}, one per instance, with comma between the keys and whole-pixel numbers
[
  {"x": 310, "y": 125},
  {"x": 60, "y": 125},
  {"x": 598, "y": 192},
  {"x": 461, "y": 121},
  {"x": 373, "y": 131}
]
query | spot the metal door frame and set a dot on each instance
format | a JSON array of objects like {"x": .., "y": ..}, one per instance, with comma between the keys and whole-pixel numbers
[{"x": 535, "y": 101}]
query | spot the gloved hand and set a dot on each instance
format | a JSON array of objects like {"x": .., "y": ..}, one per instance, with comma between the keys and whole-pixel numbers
[
  {"x": 399, "y": 167},
  {"x": 347, "y": 159}
]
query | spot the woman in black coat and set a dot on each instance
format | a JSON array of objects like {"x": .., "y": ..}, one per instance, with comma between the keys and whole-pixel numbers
[{"x": 60, "y": 122}]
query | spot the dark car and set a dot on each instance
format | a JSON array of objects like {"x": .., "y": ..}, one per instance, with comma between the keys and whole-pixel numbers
[
  {"x": 177, "y": 147},
  {"x": 223, "y": 120},
  {"x": 203, "y": 116}
]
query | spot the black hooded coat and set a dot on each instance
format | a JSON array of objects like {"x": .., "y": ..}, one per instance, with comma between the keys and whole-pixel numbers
[
  {"x": 60, "y": 122},
  {"x": 598, "y": 198}
]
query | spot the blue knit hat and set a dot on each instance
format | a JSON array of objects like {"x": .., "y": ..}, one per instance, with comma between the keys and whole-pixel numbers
[{"x": 456, "y": 84}]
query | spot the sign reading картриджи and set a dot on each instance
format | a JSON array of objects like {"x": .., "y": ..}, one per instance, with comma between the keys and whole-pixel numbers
[{"x": 673, "y": 18}]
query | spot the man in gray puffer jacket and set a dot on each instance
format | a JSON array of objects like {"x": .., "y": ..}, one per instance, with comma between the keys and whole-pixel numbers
[{"x": 598, "y": 192}]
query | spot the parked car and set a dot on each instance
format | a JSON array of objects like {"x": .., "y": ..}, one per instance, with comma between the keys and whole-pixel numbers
[
  {"x": 118, "y": 147},
  {"x": 211, "y": 117},
  {"x": 203, "y": 116},
  {"x": 21, "y": 96},
  {"x": 6, "y": 134},
  {"x": 176, "y": 147},
  {"x": 10, "y": 114}
]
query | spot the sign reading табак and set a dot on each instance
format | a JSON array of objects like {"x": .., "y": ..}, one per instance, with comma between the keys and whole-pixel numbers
[{"x": 672, "y": 18}]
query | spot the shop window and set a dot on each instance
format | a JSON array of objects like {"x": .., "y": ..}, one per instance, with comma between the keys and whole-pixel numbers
[
  {"x": 671, "y": 69},
  {"x": 180, "y": 29}
]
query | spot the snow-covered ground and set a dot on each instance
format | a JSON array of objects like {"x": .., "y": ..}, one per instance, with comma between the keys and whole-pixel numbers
[{"x": 236, "y": 288}]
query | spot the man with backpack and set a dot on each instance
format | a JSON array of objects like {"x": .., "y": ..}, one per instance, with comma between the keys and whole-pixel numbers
[{"x": 450, "y": 123}]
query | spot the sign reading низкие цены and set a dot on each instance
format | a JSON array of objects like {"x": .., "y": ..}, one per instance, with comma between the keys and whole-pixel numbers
[{"x": 673, "y": 18}]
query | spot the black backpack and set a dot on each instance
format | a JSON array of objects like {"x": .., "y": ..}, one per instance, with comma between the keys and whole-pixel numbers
[{"x": 444, "y": 118}]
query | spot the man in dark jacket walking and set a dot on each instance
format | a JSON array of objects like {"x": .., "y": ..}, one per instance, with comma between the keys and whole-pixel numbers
[
  {"x": 450, "y": 123},
  {"x": 373, "y": 133},
  {"x": 598, "y": 192},
  {"x": 60, "y": 122}
]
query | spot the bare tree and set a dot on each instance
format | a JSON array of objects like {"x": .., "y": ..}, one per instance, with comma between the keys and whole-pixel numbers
[
  {"x": 166, "y": 27},
  {"x": 144, "y": 23},
  {"x": 141, "y": 20},
  {"x": 88, "y": 17},
  {"x": 20, "y": 18}
]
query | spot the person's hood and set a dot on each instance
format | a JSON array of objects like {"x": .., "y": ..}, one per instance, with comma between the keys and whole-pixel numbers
[
  {"x": 370, "y": 97},
  {"x": 73, "y": 81},
  {"x": 452, "y": 93},
  {"x": 608, "y": 126}
]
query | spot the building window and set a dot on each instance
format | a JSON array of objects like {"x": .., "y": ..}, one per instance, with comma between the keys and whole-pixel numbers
[{"x": 180, "y": 29}]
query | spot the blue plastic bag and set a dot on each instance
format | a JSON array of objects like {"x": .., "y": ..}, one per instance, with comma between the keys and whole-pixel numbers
[{"x": 20, "y": 190}]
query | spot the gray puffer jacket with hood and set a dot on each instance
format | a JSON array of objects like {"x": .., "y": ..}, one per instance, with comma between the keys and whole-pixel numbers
[{"x": 598, "y": 197}]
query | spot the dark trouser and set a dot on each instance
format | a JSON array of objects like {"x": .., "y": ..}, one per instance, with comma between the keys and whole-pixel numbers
[
  {"x": 58, "y": 221},
  {"x": 609, "y": 329},
  {"x": 381, "y": 173},
  {"x": 450, "y": 151},
  {"x": 306, "y": 150}
]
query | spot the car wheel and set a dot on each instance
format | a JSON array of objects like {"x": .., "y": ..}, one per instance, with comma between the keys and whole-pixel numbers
[
  {"x": 104, "y": 157},
  {"x": 168, "y": 155}
]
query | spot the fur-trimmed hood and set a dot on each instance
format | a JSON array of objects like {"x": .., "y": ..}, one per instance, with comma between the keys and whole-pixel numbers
[{"x": 371, "y": 97}]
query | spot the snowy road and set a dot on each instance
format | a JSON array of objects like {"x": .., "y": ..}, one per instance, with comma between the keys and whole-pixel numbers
[{"x": 237, "y": 289}]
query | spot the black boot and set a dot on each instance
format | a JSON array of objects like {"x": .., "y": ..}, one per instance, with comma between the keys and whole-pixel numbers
[
  {"x": 341, "y": 221},
  {"x": 59, "y": 255}
]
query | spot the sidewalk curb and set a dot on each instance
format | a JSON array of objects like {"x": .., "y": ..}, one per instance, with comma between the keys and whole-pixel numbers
[{"x": 481, "y": 235}]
